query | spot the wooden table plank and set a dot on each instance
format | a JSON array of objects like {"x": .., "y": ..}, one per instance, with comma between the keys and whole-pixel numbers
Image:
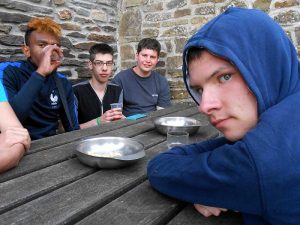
[
  {"x": 76, "y": 200},
  {"x": 141, "y": 205},
  {"x": 38, "y": 183}
]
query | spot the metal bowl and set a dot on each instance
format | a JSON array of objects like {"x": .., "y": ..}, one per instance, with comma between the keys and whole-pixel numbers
[
  {"x": 109, "y": 152},
  {"x": 187, "y": 124}
]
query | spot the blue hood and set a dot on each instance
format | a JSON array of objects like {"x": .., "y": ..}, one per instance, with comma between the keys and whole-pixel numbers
[{"x": 252, "y": 43}]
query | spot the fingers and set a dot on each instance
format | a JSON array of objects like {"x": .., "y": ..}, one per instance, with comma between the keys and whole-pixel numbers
[
  {"x": 112, "y": 114},
  {"x": 16, "y": 135},
  {"x": 209, "y": 211}
]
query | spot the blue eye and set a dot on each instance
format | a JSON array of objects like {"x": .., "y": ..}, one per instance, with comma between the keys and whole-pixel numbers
[{"x": 225, "y": 77}]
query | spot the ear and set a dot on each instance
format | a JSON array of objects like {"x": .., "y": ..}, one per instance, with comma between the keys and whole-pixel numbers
[
  {"x": 26, "y": 51},
  {"x": 90, "y": 65},
  {"x": 136, "y": 56}
]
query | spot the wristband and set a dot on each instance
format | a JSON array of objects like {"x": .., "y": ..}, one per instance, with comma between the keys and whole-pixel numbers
[{"x": 98, "y": 121}]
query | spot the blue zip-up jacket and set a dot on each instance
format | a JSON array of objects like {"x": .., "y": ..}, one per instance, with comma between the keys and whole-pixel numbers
[
  {"x": 258, "y": 175},
  {"x": 35, "y": 99}
]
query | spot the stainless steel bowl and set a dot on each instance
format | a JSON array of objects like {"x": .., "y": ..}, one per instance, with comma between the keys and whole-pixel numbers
[
  {"x": 187, "y": 124},
  {"x": 109, "y": 152}
]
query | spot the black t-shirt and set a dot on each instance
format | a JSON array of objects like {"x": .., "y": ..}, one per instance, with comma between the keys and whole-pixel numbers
[{"x": 89, "y": 105}]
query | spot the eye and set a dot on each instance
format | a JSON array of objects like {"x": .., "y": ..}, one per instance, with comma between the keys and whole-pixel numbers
[
  {"x": 42, "y": 45},
  {"x": 225, "y": 77}
]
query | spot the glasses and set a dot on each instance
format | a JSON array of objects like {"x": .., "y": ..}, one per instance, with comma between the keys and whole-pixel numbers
[{"x": 100, "y": 64}]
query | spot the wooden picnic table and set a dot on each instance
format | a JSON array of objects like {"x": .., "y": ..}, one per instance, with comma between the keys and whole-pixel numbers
[{"x": 51, "y": 186}]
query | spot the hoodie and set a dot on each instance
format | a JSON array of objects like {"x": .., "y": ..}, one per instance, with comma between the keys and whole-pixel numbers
[
  {"x": 36, "y": 100},
  {"x": 258, "y": 175}
]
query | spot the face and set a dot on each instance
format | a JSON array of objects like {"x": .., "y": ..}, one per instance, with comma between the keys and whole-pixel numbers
[
  {"x": 146, "y": 61},
  {"x": 37, "y": 42},
  {"x": 101, "y": 67},
  {"x": 226, "y": 99}
]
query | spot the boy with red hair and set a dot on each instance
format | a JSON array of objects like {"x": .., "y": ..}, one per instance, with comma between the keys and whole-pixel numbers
[{"x": 31, "y": 85}]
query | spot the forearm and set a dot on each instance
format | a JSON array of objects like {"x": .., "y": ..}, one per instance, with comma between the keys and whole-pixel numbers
[
  {"x": 10, "y": 158},
  {"x": 90, "y": 123}
]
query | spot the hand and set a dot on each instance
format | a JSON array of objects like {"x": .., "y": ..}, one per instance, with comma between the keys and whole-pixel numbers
[
  {"x": 14, "y": 135},
  {"x": 111, "y": 115},
  {"x": 47, "y": 65},
  {"x": 208, "y": 211}
]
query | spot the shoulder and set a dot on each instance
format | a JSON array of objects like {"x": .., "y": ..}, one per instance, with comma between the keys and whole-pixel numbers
[
  {"x": 6, "y": 66},
  {"x": 123, "y": 73},
  {"x": 81, "y": 85}
]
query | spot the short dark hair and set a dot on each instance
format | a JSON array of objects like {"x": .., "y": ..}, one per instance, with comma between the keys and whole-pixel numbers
[
  {"x": 149, "y": 43},
  {"x": 193, "y": 54},
  {"x": 100, "y": 48}
]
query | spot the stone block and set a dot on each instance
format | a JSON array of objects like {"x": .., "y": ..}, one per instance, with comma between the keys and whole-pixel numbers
[
  {"x": 76, "y": 35},
  {"x": 132, "y": 3},
  {"x": 153, "y": 33},
  {"x": 70, "y": 26},
  {"x": 15, "y": 18},
  {"x": 287, "y": 3},
  {"x": 175, "y": 32},
  {"x": 130, "y": 24},
  {"x": 174, "y": 62},
  {"x": 99, "y": 15},
  {"x": 182, "y": 12},
  {"x": 101, "y": 38},
  {"x": 5, "y": 28},
  {"x": 179, "y": 93},
  {"x": 65, "y": 14},
  {"x": 262, "y": 4},
  {"x": 84, "y": 45},
  {"x": 83, "y": 72},
  {"x": 59, "y": 2},
  {"x": 64, "y": 41},
  {"x": 154, "y": 7},
  {"x": 176, "y": 22},
  {"x": 11, "y": 40},
  {"x": 205, "y": 10},
  {"x": 288, "y": 17},
  {"x": 175, "y": 73},
  {"x": 176, "y": 4},
  {"x": 127, "y": 52},
  {"x": 179, "y": 43},
  {"x": 155, "y": 17}
]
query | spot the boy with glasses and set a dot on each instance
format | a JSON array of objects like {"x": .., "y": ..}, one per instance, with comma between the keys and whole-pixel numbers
[{"x": 95, "y": 95}]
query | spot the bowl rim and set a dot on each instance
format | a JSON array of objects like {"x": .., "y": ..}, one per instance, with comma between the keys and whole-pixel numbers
[
  {"x": 111, "y": 137},
  {"x": 199, "y": 124}
]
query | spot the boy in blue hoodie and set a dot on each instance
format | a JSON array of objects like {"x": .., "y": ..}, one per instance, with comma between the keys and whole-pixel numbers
[
  {"x": 31, "y": 85},
  {"x": 247, "y": 83}
]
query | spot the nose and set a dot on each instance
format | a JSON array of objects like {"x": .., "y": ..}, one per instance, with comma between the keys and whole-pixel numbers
[
  {"x": 209, "y": 102},
  {"x": 104, "y": 67}
]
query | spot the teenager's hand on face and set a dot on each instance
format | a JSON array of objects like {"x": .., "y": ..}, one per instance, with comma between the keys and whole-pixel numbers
[
  {"x": 14, "y": 135},
  {"x": 50, "y": 60},
  {"x": 209, "y": 211}
]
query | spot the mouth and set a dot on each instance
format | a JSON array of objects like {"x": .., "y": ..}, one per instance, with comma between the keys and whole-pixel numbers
[{"x": 218, "y": 123}]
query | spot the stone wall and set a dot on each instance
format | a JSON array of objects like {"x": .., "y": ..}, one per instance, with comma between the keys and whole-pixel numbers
[
  {"x": 122, "y": 23},
  {"x": 84, "y": 22},
  {"x": 173, "y": 21}
]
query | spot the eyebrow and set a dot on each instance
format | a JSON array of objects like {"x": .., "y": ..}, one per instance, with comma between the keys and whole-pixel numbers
[{"x": 218, "y": 70}]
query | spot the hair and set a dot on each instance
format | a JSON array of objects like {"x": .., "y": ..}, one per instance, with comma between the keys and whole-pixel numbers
[
  {"x": 100, "y": 48},
  {"x": 45, "y": 25},
  {"x": 149, "y": 43},
  {"x": 193, "y": 54}
]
